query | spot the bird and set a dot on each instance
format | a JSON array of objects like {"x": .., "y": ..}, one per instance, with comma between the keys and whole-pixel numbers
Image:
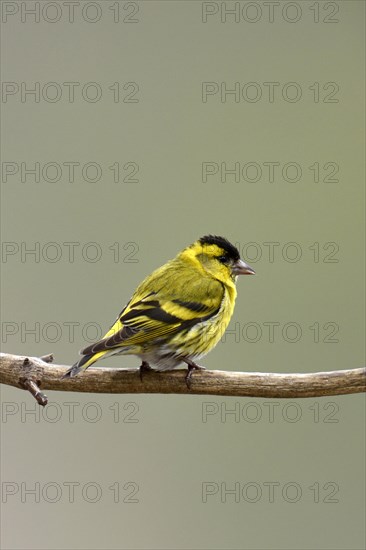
[{"x": 178, "y": 313}]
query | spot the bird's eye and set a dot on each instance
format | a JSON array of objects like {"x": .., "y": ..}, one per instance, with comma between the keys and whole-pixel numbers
[{"x": 223, "y": 259}]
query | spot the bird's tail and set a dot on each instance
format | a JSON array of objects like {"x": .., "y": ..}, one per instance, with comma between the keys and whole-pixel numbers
[{"x": 83, "y": 364}]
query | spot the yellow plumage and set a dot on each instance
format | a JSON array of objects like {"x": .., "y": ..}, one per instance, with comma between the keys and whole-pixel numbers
[{"x": 179, "y": 312}]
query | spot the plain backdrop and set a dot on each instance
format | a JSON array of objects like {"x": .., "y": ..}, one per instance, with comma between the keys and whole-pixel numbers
[{"x": 152, "y": 124}]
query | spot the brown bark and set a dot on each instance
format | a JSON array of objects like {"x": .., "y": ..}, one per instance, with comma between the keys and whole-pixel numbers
[{"x": 37, "y": 374}]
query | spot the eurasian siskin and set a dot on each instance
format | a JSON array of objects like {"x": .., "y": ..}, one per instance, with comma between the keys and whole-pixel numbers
[{"x": 178, "y": 313}]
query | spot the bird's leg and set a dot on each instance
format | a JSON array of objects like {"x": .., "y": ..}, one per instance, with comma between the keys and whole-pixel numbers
[
  {"x": 191, "y": 367},
  {"x": 144, "y": 368}
]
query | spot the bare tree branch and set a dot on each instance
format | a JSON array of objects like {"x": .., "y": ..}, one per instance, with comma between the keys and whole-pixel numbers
[{"x": 33, "y": 373}]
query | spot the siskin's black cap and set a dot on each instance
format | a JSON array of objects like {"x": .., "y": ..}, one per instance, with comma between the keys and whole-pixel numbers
[{"x": 223, "y": 243}]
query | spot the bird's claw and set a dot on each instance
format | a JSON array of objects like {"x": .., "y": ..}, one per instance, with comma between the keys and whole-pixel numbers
[
  {"x": 144, "y": 368},
  {"x": 191, "y": 368}
]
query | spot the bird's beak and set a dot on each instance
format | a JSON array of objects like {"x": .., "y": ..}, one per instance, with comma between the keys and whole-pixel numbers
[{"x": 241, "y": 268}]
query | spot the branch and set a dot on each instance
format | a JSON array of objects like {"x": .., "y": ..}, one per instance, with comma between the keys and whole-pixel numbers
[{"x": 33, "y": 373}]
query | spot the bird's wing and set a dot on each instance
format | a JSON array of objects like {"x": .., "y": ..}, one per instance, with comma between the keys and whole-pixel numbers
[{"x": 160, "y": 313}]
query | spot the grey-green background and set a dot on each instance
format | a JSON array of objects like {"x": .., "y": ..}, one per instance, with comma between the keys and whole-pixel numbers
[{"x": 163, "y": 448}]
